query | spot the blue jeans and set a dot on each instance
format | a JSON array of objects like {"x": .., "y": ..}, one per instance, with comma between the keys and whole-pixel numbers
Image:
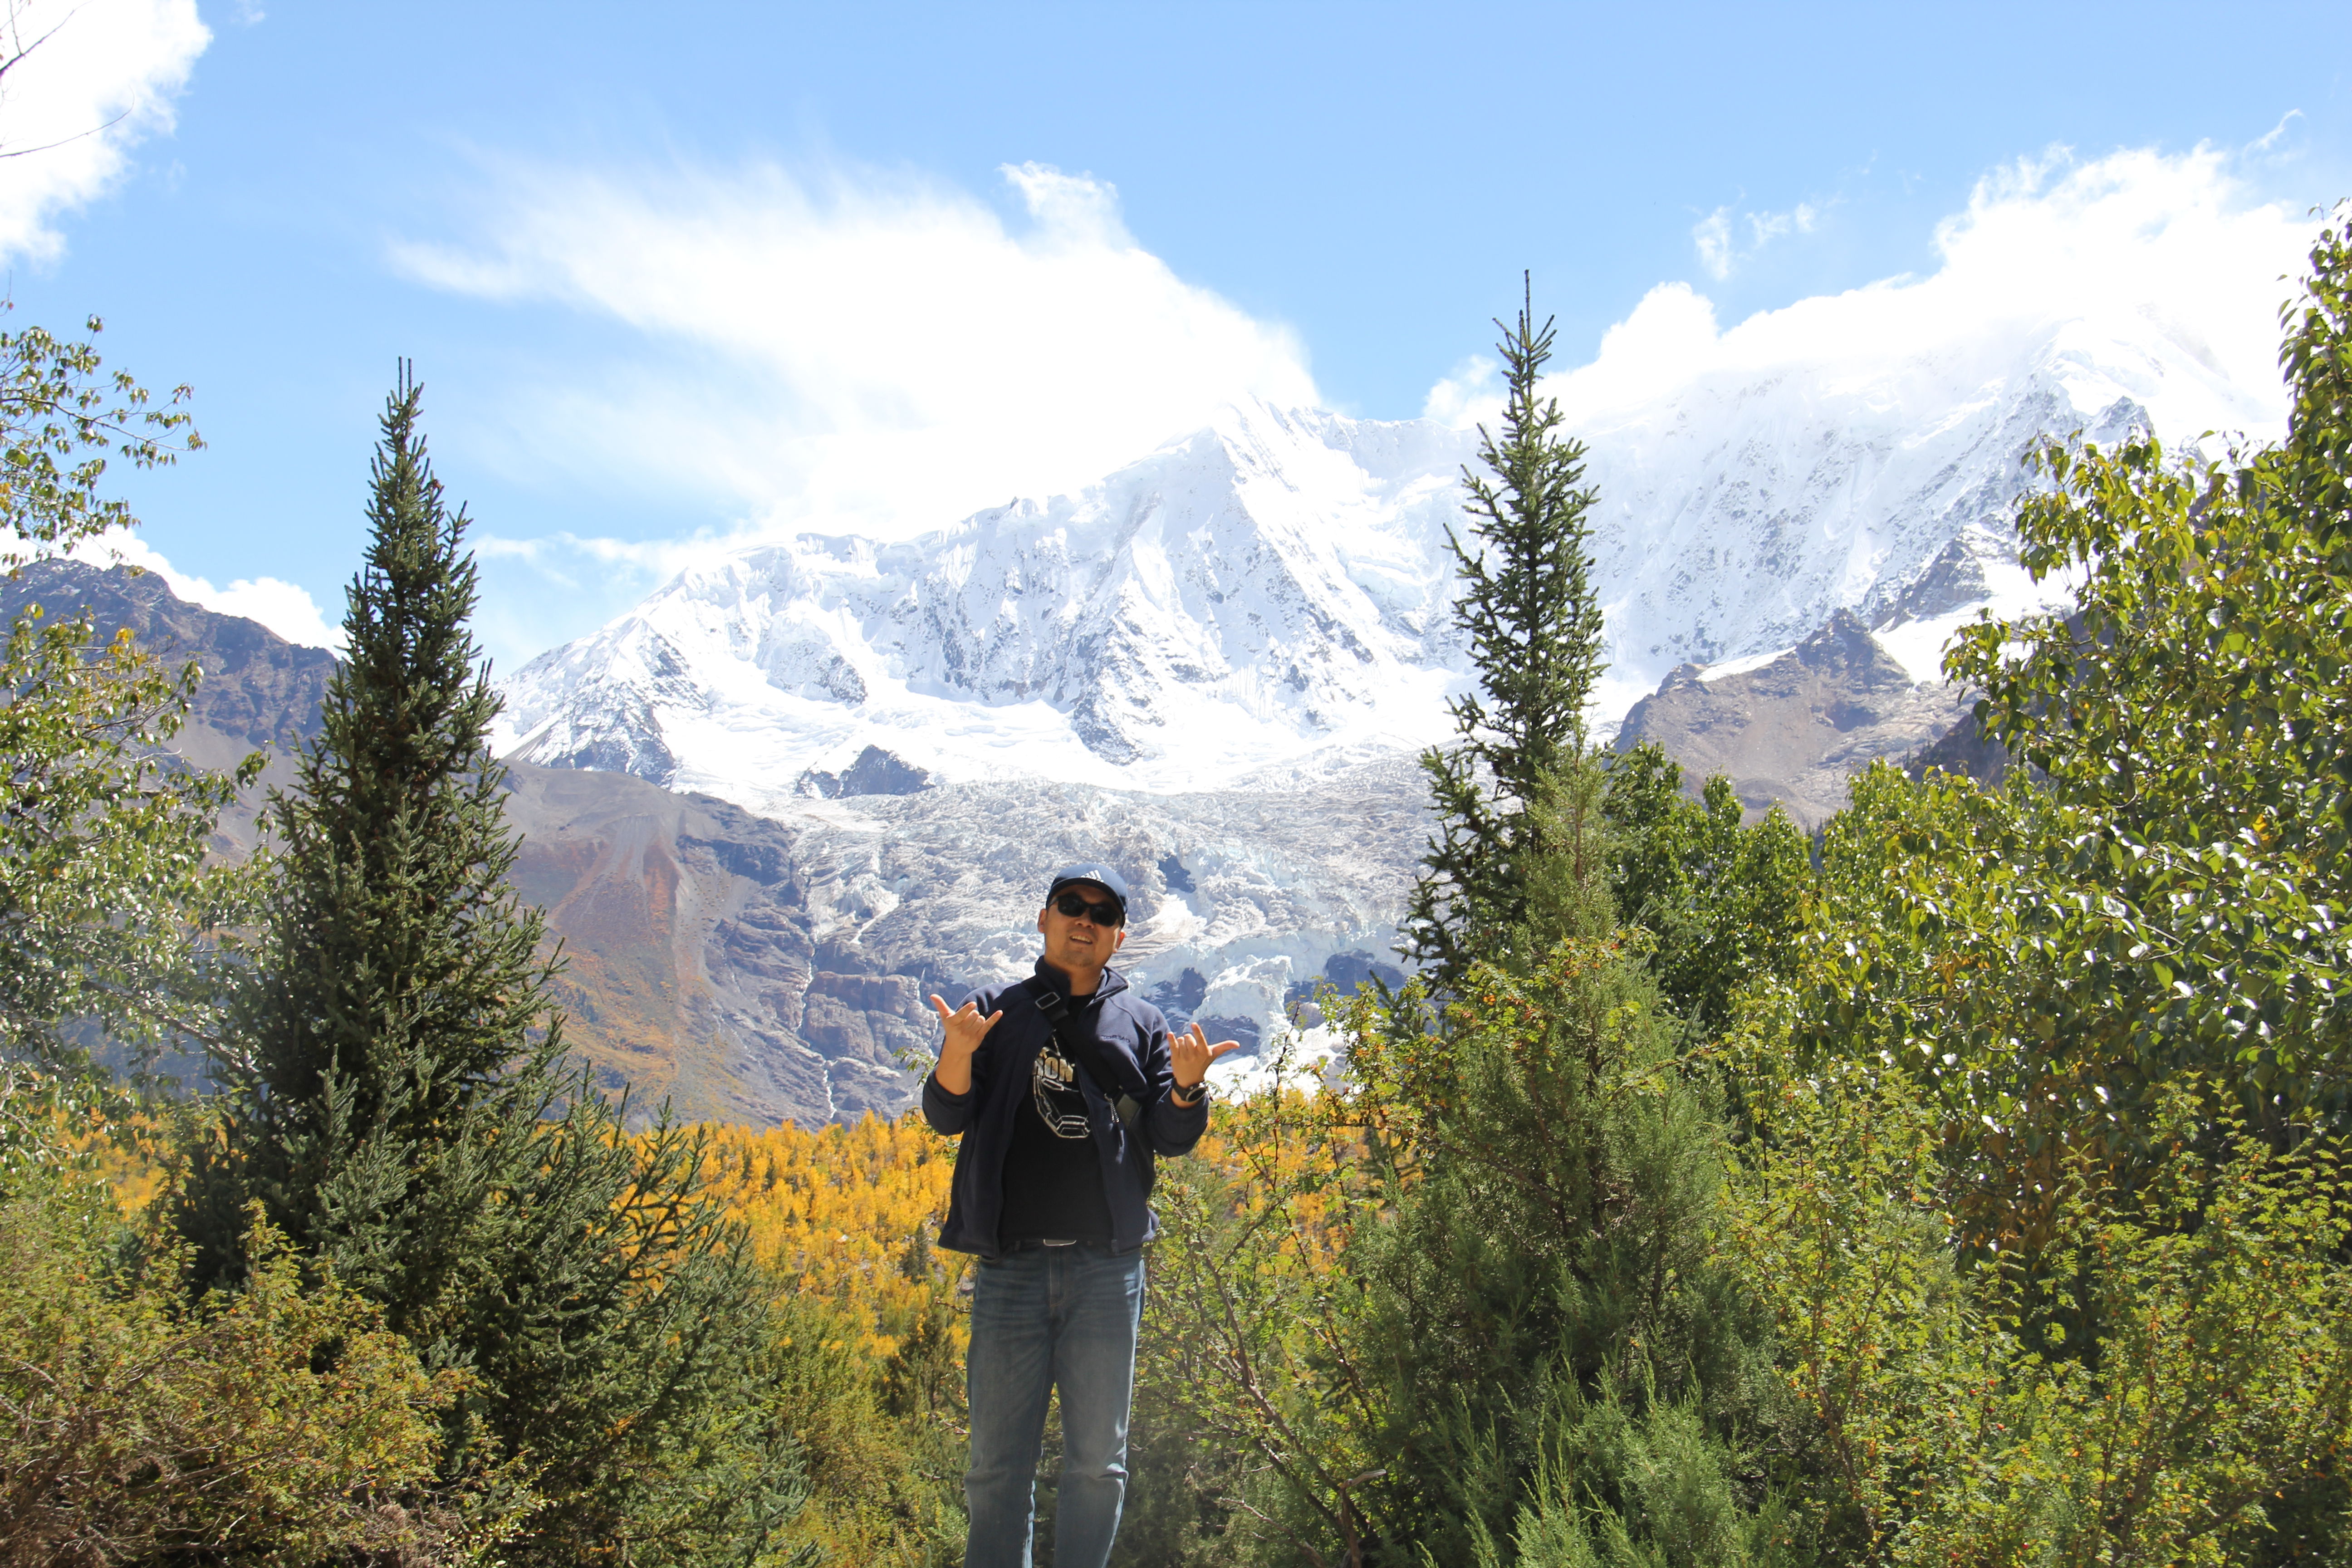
[{"x": 1059, "y": 1317}]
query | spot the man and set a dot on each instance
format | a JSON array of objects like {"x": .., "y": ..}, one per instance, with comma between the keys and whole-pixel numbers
[{"x": 1064, "y": 1086}]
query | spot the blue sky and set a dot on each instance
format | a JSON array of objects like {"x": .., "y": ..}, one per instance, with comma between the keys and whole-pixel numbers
[{"x": 690, "y": 272}]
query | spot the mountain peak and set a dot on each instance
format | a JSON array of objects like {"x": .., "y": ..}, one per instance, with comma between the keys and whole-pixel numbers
[
  {"x": 1271, "y": 594},
  {"x": 1240, "y": 597}
]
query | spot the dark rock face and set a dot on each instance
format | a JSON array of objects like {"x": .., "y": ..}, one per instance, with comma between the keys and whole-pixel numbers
[
  {"x": 640, "y": 752},
  {"x": 1793, "y": 731},
  {"x": 876, "y": 772},
  {"x": 1964, "y": 749},
  {"x": 1954, "y": 580},
  {"x": 1345, "y": 974},
  {"x": 1178, "y": 999},
  {"x": 1349, "y": 973},
  {"x": 1245, "y": 1030}
]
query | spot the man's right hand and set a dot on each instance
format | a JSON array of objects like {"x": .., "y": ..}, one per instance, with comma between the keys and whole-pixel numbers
[{"x": 965, "y": 1028}]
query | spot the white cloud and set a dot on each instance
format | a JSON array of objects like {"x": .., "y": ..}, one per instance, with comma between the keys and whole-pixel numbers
[
  {"x": 2116, "y": 244},
  {"x": 1471, "y": 387},
  {"x": 1712, "y": 235},
  {"x": 589, "y": 563},
  {"x": 1799, "y": 219},
  {"x": 89, "y": 81},
  {"x": 853, "y": 351},
  {"x": 1670, "y": 333},
  {"x": 2277, "y": 133},
  {"x": 283, "y": 607},
  {"x": 1716, "y": 234}
]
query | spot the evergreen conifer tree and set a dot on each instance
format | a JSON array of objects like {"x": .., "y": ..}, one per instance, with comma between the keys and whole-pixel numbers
[
  {"x": 1547, "y": 1332},
  {"x": 1526, "y": 605},
  {"x": 397, "y": 1045},
  {"x": 396, "y": 1095},
  {"x": 1550, "y": 1328}
]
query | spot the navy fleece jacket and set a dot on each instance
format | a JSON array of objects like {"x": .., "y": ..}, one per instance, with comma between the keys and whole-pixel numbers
[{"x": 1130, "y": 1029}]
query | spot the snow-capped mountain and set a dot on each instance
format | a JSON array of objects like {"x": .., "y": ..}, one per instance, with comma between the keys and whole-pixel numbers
[
  {"x": 1209, "y": 669},
  {"x": 1212, "y": 666},
  {"x": 1269, "y": 595},
  {"x": 1739, "y": 512},
  {"x": 1263, "y": 589}
]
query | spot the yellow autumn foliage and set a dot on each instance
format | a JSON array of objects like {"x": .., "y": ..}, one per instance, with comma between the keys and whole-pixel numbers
[{"x": 844, "y": 1217}]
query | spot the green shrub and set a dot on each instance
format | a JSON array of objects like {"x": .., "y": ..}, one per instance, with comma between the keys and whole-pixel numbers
[
  {"x": 2192, "y": 1411},
  {"x": 274, "y": 1424}
]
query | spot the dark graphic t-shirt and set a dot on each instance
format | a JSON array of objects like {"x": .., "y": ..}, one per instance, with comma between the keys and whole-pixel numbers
[{"x": 1053, "y": 1176}]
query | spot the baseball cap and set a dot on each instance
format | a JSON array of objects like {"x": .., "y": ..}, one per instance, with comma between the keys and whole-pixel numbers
[{"x": 1102, "y": 877}]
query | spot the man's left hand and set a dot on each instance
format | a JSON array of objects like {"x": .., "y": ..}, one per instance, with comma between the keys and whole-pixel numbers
[{"x": 1191, "y": 1054}]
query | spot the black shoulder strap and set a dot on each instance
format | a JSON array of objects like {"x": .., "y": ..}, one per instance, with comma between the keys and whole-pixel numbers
[{"x": 1124, "y": 1089}]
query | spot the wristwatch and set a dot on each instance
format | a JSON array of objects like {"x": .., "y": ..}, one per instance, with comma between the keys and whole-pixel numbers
[{"x": 1186, "y": 1099}]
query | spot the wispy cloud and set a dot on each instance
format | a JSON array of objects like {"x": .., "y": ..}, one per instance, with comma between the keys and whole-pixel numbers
[
  {"x": 848, "y": 350},
  {"x": 95, "y": 80},
  {"x": 1718, "y": 235},
  {"x": 2275, "y": 134},
  {"x": 1470, "y": 385}
]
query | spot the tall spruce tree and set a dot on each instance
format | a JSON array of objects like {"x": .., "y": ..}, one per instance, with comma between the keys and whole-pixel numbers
[
  {"x": 1555, "y": 1352},
  {"x": 396, "y": 1095},
  {"x": 1551, "y": 1348},
  {"x": 1527, "y": 608},
  {"x": 398, "y": 1033}
]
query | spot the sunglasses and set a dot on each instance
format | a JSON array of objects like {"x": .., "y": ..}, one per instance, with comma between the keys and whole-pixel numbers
[{"x": 1075, "y": 907}]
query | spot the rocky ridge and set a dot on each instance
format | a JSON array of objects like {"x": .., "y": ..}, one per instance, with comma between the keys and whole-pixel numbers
[{"x": 1791, "y": 732}]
